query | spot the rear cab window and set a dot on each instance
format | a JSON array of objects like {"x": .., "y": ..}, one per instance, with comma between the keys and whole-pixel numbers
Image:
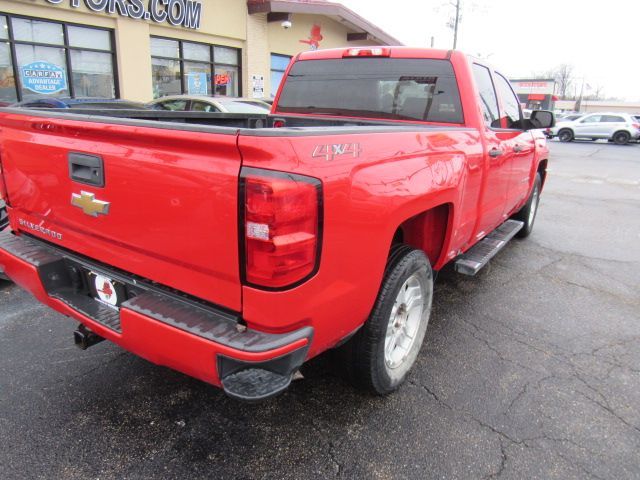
[{"x": 422, "y": 90}]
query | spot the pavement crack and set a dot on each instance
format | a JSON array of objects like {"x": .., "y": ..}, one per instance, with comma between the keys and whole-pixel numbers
[
  {"x": 611, "y": 411},
  {"x": 503, "y": 462}
]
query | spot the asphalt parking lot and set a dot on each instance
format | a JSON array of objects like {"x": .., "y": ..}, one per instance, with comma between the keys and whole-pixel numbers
[{"x": 530, "y": 370}]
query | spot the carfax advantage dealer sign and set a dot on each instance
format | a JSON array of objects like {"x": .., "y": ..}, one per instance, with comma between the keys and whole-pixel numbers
[{"x": 180, "y": 13}]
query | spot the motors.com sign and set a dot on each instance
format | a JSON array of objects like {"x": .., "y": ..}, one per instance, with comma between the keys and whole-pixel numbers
[
  {"x": 545, "y": 87},
  {"x": 180, "y": 13}
]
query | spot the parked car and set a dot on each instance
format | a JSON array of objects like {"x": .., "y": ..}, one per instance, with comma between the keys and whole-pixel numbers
[
  {"x": 620, "y": 128},
  {"x": 236, "y": 254},
  {"x": 203, "y": 103},
  {"x": 79, "y": 103},
  {"x": 570, "y": 117}
]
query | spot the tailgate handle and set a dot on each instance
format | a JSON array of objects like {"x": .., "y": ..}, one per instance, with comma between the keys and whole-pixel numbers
[{"x": 87, "y": 169}]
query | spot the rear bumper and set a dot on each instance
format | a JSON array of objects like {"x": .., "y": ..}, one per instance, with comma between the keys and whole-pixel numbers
[{"x": 162, "y": 326}]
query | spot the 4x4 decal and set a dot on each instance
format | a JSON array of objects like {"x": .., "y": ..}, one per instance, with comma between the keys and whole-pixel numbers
[{"x": 331, "y": 151}]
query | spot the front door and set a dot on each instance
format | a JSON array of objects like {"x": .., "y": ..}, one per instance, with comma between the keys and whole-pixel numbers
[
  {"x": 519, "y": 145},
  {"x": 497, "y": 170},
  {"x": 589, "y": 126}
]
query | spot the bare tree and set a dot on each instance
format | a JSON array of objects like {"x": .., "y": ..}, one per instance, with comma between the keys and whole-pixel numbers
[
  {"x": 597, "y": 93},
  {"x": 564, "y": 77}
]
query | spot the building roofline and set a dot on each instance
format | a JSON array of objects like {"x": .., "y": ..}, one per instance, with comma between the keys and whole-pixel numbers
[
  {"x": 321, "y": 7},
  {"x": 532, "y": 79}
]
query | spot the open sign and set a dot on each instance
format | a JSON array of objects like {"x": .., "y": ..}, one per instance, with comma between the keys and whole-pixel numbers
[{"x": 222, "y": 79}]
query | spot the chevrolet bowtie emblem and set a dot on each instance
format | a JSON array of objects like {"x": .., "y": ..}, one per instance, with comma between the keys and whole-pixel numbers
[{"x": 89, "y": 205}]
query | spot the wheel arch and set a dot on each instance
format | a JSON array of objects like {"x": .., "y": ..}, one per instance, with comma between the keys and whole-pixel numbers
[
  {"x": 428, "y": 231},
  {"x": 542, "y": 170},
  {"x": 622, "y": 130},
  {"x": 567, "y": 129}
]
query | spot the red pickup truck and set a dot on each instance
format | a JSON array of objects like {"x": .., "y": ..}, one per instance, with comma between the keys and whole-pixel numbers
[{"x": 234, "y": 253}]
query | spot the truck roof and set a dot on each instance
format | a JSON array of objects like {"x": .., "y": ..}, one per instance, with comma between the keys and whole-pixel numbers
[{"x": 393, "y": 52}]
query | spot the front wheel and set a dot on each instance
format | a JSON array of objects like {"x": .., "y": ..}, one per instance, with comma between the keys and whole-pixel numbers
[
  {"x": 527, "y": 214},
  {"x": 565, "y": 135},
  {"x": 383, "y": 351}
]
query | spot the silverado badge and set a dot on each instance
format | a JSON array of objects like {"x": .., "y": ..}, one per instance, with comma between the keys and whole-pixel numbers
[{"x": 89, "y": 205}]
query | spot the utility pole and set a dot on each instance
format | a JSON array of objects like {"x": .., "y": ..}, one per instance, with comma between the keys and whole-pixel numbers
[{"x": 455, "y": 26}]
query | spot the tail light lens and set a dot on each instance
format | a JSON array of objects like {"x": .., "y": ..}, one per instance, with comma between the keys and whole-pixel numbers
[
  {"x": 282, "y": 227},
  {"x": 636, "y": 125}
]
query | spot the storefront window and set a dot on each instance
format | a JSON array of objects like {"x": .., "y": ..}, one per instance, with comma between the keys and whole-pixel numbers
[
  {"x": 8, "y": 92},
  {"x": 25, "y": 30},
  {"x": 89, "y": 37},
  {"x": 166, "y": 77},
  {"x": 53, "y": 58},
  {"x": 92, "y": 74},
  {"x": 279, "y": 64},
  {"x": 35, "y": 60},
  {"x": 193, "y": 68}
]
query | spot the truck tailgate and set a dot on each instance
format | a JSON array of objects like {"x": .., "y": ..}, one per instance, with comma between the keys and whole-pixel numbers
[{"x": 172, "y": 213}]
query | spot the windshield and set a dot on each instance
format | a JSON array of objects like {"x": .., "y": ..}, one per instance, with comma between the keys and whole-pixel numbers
[
  {"x": 243, "y": 106},
  {"x": 394, "y": 88}
]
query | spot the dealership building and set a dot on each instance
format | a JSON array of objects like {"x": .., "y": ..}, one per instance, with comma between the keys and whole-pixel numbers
[
  {"x": 143, "y": 49},
  {"x": 535, "y": 93}
]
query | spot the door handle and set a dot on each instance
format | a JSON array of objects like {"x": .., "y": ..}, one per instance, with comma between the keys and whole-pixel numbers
[
  {"x": 517, "y": 148},
  {"x": 87, "y": 169},
  {"x": 495, "y": 152}
]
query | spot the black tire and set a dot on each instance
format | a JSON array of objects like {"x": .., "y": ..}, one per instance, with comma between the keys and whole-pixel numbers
[
  {"x": 565, "y": 135},
  {"x": 365, "y": 352},
  {"x": 621, "y": 138},
  {"x": 525, "y": 213}
]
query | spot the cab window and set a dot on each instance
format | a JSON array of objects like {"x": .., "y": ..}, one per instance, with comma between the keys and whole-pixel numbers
[
  {"x": 510, "y": 105},
  {"x": 487, "y": 94}
]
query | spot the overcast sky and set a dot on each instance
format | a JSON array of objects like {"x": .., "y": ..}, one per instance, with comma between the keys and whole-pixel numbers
[{"x": 600, "y": 39}]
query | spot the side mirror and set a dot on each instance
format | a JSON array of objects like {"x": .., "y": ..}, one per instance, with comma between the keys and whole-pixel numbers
[{"x": 541, "y": 119}]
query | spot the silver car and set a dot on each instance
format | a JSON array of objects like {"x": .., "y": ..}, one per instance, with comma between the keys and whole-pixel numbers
[
  {"x": 620, "y": 128},
  {"x": 202, "y": 103}
]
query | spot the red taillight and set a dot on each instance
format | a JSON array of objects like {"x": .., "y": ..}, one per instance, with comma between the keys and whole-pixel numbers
[
  {"x": 367, "y": 52},
  {"x": 282, "y": 227},
  {"x": 279, "y": 123},
  {"x": 636, "y": 125}
]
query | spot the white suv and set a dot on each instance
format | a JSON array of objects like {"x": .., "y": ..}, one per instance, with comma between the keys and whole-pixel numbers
[{"x": 620, "y": 128}]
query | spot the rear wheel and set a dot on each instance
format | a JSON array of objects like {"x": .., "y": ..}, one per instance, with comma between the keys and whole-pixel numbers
[
  {"x": 383, "y": 351},
  {"x": 528, "y": 213},
  {"x": 565, "y": 135},
  {"x": 621, "y": 138}
]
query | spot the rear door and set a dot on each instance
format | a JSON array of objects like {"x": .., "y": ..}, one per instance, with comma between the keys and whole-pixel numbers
[
  {"x": 519, "y": 145},
  {"x": 611, "y": 124},
  {"x": 166, "y": 209}
]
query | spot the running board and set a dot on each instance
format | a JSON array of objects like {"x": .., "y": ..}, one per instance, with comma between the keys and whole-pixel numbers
[{"x": 479, "y": 255}]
